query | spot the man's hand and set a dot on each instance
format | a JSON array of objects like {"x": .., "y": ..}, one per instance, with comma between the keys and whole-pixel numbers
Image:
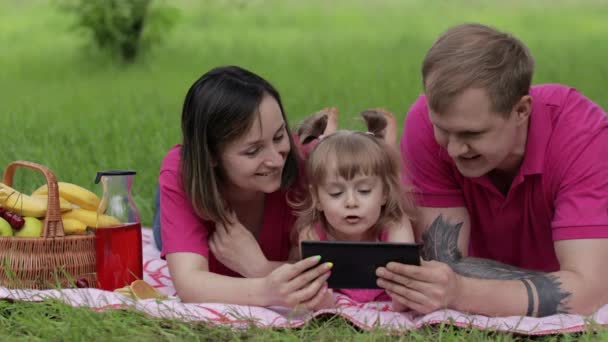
[
  {"x": 234, "y": 246},
  {"x": 426, "y": 288}
]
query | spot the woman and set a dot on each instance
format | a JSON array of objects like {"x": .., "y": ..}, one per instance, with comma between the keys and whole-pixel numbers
[{"x": 227, "y": 185}]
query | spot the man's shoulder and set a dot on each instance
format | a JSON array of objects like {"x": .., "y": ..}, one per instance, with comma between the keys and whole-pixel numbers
[
  {"x": 419, "y": 107},
  {"x": 574, "y": 126},
  {"x": 567, "y": 99},
  {"x": 417, "y": 117},
  {"x": 550, "y": 93},
  {"x": 568, "y": 110}
]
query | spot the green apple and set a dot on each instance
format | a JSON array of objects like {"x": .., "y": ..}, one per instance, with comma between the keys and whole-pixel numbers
[
  {"x": 31, "y": 228},
  {"x": 5, "y": 228}
]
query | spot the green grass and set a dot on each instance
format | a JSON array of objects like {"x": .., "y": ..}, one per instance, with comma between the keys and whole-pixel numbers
[
  {"x": 67, "y": 106},
  {"x": 53, "y": 321}
]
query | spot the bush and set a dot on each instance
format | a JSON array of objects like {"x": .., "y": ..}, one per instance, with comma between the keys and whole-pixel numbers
[{"x": 122, "y": 27}]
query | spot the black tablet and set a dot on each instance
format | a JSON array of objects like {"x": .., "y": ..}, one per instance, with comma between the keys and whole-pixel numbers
[{"x": 355, "y": 263}]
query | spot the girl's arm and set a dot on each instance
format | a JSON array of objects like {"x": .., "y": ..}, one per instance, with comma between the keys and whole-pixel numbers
[
  {"x": 401, "y": 231},
  {"x": 299, "y": 284}
]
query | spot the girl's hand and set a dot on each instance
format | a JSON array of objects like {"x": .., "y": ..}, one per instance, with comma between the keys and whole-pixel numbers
[
  {"x": 234, "y": 246},
  {"x": 397, "y": 306},
  {"x": 328, "y": 301},
  {"x": 302, "y": 284}
]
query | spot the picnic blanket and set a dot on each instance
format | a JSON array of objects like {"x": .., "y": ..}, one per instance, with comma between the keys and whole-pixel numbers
[{"x": 366, "y": 316}]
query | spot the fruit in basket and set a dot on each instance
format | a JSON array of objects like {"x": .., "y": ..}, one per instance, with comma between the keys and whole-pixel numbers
[
  {"x": 74, "y": 227},
  {"x": 15, "y": 220},
  {"x": 31, "y": 228},
  {"x": 22, "y": 204},
  {"x": 64, "y": 204},
  {"x": 5, "y": 228},
  {"x": 74, "y": 194},
  {"x": 90, "y": 218},
  {"x": 25, "y": 205}
]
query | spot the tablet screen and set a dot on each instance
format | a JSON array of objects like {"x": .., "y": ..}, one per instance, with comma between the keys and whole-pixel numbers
[{"x": 355, "y": 263}]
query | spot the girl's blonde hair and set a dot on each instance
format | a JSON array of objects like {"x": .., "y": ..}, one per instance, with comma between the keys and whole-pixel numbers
[{"x": 352, "y": 154}]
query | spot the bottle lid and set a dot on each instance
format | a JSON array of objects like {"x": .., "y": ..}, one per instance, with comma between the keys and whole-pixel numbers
[{"x": 113, "y": 173}]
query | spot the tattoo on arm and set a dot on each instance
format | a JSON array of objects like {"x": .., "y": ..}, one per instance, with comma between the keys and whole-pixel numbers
[
  {"x": 530, "y": 297},
  {"x": 441, "y": 244}
]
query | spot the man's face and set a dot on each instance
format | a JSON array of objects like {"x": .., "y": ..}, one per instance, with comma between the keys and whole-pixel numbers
[{"x": 478, "y": 139}]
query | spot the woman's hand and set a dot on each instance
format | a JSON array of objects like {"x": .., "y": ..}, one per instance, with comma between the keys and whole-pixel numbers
[
  {"x": 301, "y": 285},
  {"x": 235, "y": 246}
]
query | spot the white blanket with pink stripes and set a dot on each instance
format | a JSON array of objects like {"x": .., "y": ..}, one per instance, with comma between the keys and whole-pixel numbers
[{"x": 365, "y": 316}]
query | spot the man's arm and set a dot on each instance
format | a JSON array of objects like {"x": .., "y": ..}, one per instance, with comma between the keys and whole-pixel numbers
[{"x": 575, "y": 288}]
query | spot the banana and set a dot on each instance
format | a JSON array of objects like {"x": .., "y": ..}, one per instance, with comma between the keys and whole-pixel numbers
[
  {"x": 20, "y": 203},
  {"x": 74, "y": 194},
  {"x": 64, "y": 205},
  {"x": 74, "y": 227},
  {"x": 90, "y": 218}
]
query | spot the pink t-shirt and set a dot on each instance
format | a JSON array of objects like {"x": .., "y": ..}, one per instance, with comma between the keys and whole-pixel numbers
[
  {"x": 183, "y": 231},
  {"x": 560, "y": 191},
  {"x": 359, "y": 295}
]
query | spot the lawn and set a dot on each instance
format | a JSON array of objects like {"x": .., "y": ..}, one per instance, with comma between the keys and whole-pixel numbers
[{"x": 65, "y": 105}]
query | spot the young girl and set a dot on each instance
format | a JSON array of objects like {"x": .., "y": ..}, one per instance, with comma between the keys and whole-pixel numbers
[
  {"x": 226, "y": 184},
  {"x": 355, "y": 194}
]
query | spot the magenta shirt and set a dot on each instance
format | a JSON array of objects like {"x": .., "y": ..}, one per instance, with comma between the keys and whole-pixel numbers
[
  {"x": 560, "y": 191},
  {"x": 183, "y": 231}
]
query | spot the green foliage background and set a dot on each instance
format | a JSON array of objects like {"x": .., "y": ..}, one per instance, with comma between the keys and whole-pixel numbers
[{"x": 68, "y": 106}]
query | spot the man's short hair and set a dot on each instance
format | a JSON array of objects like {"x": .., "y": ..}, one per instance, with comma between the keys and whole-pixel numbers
[{"x": 477, "y": 56}]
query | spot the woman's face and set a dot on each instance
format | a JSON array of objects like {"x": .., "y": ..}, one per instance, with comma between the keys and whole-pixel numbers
[{"x": 254, "y": 162}]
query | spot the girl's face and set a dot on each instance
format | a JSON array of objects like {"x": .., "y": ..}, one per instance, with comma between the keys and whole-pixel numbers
[
  {"x": 254, "y": 162},
  {"x": 351, "y": 207}
]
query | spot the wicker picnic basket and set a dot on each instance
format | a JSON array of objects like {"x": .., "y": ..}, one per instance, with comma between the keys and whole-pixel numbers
[{"x": 52, "y": 260}]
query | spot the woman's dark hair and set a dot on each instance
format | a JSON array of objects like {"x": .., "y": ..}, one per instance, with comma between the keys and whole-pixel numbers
[{"x": 220, "y": 107}]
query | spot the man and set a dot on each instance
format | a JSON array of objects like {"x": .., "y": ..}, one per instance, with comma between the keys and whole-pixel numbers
[{"x": 512, "y": 184}]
